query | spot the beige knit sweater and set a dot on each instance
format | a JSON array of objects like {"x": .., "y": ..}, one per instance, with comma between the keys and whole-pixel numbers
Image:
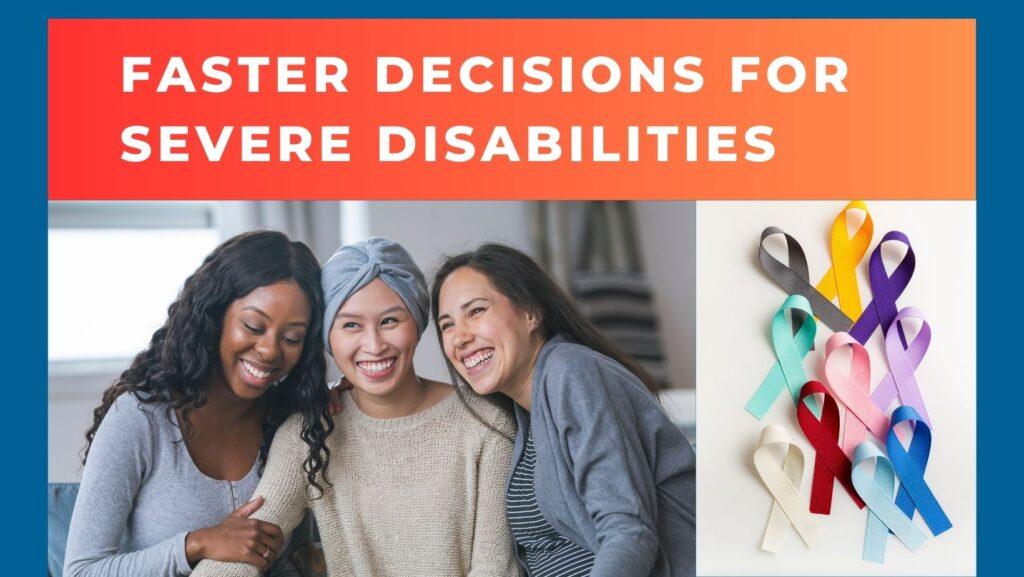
[{"x": 416, "y": 496}]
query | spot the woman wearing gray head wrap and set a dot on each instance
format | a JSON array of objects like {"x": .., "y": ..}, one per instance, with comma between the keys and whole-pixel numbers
[
  {"x": 355, "y": 265},
  {"x": 417, "y": 481}
]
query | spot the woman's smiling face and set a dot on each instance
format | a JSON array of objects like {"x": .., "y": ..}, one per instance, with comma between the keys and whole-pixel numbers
[
  {"x": 491, "y": 342},
  {"x": 262, "y": 337},
  {"x": 373, "y": 340}
]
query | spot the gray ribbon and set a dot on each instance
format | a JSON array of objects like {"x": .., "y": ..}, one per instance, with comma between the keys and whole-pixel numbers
[{"x": 795, "y": 280}]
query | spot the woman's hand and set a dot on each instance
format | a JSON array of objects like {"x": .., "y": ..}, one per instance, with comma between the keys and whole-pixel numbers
[
  {"x": 237, "y": 539},
  {"x": 334, "y": 403}
]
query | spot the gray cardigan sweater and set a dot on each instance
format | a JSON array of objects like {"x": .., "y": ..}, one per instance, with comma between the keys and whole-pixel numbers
[{"x": 614, "y": 474}]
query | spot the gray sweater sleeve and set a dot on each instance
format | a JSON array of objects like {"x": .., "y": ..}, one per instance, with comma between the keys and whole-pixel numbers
[
  {"x": 599, "y": 428},
  {"x": 120, "y": 455}
]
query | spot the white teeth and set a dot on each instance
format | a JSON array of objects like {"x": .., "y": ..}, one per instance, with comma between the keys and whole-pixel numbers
[
  {"x": 254, "y": 371},
  {"x": 376, "y": 367},
  {"x": 478, "y": 358}
]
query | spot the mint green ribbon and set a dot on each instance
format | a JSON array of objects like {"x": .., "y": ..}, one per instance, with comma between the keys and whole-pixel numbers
[{"x": 791, "y": 346}]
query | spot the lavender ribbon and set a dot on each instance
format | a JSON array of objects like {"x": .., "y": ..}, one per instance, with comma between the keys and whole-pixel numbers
[{"x": 903, "y": 361}]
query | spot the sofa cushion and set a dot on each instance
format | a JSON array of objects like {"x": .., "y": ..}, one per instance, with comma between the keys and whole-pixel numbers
[{"x": 60, "y": 503}]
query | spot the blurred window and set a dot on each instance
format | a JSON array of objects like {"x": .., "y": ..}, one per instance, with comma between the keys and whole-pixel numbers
[{"x": 113, "y": 270}]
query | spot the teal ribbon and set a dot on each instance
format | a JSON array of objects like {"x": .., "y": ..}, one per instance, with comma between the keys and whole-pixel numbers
[
  {"x": 791, "y": 345},
  {"x": 883, "y": 514}
]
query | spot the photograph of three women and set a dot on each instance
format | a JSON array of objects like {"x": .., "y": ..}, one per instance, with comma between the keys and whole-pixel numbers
[{"x": 395, "y": 389}]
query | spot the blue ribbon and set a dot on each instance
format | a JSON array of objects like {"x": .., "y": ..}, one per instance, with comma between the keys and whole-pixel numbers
[{"x": 910, "y": 465}]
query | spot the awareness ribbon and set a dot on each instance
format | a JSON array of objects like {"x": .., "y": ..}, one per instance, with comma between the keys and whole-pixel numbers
[
  {"x": 846, "y": 252},
  {"x": 791, "y": 346},
  {"x": 783, "y": 483},
  {"x": 830, "y": 463},
  {"x": 885, "y": 289},
  {"x": 852, "y": 390},
  {"x": 903, "y": 362},
  {"x": 883, "y": 515},
  {"x": 794, "y": 279},
  {"x": 839, "y": 280},
  {"x": 910, "y": 465}
]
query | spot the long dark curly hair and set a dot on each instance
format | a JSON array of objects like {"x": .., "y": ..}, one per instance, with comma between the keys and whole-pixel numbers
[
  {"x": 176, "y": 367},
  {"x": 518, "y": 277}
]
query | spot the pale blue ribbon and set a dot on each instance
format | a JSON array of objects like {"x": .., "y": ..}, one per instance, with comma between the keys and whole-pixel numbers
[{"x": 883, "y": 514}]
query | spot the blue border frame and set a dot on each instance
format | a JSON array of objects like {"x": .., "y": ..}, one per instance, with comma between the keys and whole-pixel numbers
[{"x": 24, "y": 337}]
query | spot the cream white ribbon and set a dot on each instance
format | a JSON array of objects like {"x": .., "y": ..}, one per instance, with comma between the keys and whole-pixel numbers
[{"x": 783, "y": 482}]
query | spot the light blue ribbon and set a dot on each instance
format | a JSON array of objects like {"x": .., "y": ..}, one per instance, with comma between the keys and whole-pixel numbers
[
  {"x": 910, "y": 465},
  {"x": 877, "y": 493},
  {"x": 790, "y": 350}
]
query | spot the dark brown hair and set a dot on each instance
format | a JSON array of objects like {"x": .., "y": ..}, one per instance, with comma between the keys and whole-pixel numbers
[
  {"x": 176, "y": 366},
  {"x": 524, "y": 282}
]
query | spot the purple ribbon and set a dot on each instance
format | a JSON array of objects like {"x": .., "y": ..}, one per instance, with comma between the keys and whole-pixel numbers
[
  {"x": 885, "y": 289},
  {"x": 903, "y": 361}
]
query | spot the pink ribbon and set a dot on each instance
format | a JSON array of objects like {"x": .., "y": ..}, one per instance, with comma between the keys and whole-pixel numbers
[{"x": 853, "y": 390}]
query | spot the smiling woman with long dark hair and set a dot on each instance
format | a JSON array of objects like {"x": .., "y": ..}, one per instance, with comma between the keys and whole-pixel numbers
[
  {"x": 602, "y": 482},
  {"x": 179, "y": 441}
]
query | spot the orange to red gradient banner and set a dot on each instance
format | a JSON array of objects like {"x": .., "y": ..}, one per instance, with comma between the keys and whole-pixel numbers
[{"x": 525, "y": 109}]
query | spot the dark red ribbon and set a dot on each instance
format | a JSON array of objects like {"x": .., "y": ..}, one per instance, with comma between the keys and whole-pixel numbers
[{"x": 830, "y": 463}]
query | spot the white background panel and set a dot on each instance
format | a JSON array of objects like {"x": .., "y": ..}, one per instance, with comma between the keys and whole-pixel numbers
[{"x": 735, "y": 304}]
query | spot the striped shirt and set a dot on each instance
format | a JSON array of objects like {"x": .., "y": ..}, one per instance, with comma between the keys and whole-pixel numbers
[{"x": 547, "y": 553}]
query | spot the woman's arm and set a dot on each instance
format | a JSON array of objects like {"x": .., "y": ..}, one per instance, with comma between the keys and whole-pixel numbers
[
  {"x": 283, "y": 487},
  {"x": 597, "y": 419},
  {"x": 493, "y": 548},
  {"x": 120, "y": 454}
]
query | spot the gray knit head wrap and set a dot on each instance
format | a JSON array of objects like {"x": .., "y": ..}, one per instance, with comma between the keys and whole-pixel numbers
[{"x": 355, "y": 265}]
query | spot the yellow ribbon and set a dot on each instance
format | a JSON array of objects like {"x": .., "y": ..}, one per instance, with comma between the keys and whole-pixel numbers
[{"x": 846, "y": 251}]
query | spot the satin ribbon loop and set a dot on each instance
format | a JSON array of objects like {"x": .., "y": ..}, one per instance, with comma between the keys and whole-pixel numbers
[
  {"x": 883, "y": 515},
  {"x": 783, "y": 483},
  {"x": 910, "y": 465},
  {"x": 791, "y": 344},
  {"x": 852, "y": 389},
  {"x": 830, "y": 463},
  {"x": 885, "y": 289},
  {"x": 794, "y": 278},
  {"x": 903, "y": 361},
  {"x": 846, "y": 252}
]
